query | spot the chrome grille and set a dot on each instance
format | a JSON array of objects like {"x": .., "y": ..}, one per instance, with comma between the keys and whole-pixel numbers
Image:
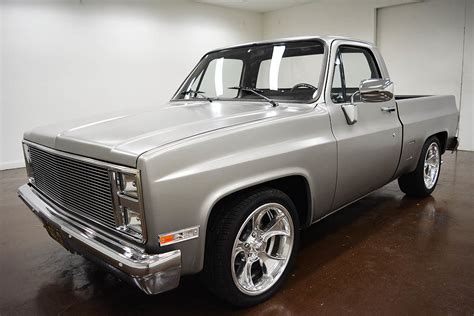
[{"x": 79, "y": 187}]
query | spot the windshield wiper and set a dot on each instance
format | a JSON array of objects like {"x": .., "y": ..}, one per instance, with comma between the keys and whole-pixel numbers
[
  {"x": 255, "y": 91},
  {"x": 197, "y": 92}
]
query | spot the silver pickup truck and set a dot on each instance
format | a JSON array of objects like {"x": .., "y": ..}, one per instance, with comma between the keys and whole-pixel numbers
[{"x": 260, "y": 141}]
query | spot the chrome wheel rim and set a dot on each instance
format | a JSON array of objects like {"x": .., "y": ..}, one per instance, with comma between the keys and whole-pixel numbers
[
  {"x": 431, "y": 165},
  {"x": 262, "y": 249}
]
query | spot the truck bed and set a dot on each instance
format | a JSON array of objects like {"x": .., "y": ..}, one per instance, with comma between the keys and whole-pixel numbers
[{"x": 421, "y": 117}]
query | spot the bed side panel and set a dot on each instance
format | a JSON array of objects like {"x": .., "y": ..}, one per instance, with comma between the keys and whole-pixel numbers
[{"x": 421, "y": 118}]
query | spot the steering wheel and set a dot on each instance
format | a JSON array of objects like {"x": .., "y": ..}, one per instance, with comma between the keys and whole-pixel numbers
[{"x": 303, "y": 85}]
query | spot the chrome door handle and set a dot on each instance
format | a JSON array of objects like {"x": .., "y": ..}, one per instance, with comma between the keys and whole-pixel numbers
[{"x": 388, "y": 108}]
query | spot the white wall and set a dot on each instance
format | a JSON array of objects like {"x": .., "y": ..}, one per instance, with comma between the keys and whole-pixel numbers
[
  {"x": 422, "y": 45},
  {"x": 320, "y": 19},
  {"x": 63, "y": 59},
  {"x": 467, "y": 96},
  {"x": 1, "y": 87}
]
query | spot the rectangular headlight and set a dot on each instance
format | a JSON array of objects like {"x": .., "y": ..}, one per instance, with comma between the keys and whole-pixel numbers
[
  {"x": 128, "y": 184},
  {"x": 128, "y": 203},
  {"x": 133, "y": 220}
]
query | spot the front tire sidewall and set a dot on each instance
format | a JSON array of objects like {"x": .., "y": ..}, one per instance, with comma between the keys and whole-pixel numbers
[{"x": 243, "y": 210}]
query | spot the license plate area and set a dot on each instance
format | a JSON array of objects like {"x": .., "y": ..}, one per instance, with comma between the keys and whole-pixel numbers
[{"x": 56, "y": 233}]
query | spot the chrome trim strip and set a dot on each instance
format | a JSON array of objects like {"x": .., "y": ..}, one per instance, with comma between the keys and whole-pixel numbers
[
  {"x": 83, "y": 159},
  {"x": 26, "y": 156},
  {"x": 152, "y": 273}
]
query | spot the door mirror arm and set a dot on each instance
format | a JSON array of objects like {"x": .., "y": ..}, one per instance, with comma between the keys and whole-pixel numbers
[
  {"x": 350, "y": 110},
  {"x": 354, "y": 95}
]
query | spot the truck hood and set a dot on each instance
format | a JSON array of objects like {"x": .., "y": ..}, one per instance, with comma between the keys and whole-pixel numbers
[{"x": 122, "y": 138}]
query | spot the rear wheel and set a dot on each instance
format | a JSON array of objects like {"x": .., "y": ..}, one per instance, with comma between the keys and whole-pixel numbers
[
  {"x": 251, "y": 246},
  {"x": 423, "y": 180}
]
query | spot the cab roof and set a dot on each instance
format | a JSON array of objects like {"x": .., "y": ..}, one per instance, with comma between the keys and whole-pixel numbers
[{"x": 327, "y": 39}]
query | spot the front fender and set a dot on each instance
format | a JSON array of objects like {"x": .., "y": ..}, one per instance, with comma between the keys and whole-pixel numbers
[{"x": 182, "y": 183}]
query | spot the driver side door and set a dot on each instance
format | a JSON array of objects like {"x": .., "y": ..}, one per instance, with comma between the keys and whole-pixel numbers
[{"x": 368, "y": 149}]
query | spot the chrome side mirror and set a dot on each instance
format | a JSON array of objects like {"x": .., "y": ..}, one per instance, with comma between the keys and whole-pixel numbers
[
  {"x": 376, "y": 90},
  {"x": 370, "y": 91}
]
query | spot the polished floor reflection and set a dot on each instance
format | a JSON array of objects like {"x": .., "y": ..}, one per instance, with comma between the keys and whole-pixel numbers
[{"x": 386, "y": 254}]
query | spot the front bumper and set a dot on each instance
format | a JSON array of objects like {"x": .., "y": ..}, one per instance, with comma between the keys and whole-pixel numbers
[{"x": 151, "y": 273}]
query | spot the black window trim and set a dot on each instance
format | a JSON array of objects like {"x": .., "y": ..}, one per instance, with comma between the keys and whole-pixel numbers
[{"x": 374, "y": 67}]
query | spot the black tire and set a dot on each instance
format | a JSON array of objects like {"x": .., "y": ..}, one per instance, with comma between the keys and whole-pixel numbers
[
  {"x": 222, "y": 231},
  {"x": 413, "y": 184}
]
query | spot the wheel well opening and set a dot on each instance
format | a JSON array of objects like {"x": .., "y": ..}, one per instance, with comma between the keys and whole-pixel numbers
[
  {"x": 443, "y": 139},
  {"x": 296, "y": 187}
]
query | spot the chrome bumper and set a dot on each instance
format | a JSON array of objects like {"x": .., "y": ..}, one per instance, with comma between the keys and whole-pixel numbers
[{"x": 151, "y": 273}]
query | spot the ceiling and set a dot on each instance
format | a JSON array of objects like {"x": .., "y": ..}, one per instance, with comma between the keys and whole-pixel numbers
[
  {"x": 257, "y": 5},
  {"x": 271, "y": 5}
]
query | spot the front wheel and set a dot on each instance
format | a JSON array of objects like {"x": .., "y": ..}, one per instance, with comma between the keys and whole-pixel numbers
[
  {"x": 250, "y": 248},
  {"x": 423, "y": 180}
]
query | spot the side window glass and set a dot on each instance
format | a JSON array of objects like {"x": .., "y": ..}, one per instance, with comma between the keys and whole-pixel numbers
[{"x": 358, "y": 64}]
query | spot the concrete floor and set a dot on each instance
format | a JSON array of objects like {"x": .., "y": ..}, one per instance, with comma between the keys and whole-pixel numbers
[{"x": 386, "y": 254}]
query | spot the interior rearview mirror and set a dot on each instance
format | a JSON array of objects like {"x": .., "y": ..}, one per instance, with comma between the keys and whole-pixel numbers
[{"x": 376, "y": 90}]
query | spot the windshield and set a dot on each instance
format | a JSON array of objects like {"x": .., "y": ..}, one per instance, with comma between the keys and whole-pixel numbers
[{"x": 279, "y": 71}]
